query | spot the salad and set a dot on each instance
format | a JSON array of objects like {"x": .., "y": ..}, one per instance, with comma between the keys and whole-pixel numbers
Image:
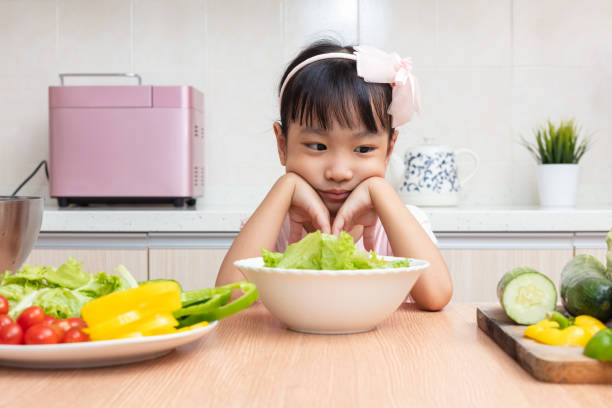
[
  {"x": 319, "y": 251},
  {"x": 61, "y": 292},
  {"x": 48, "y": 305}
]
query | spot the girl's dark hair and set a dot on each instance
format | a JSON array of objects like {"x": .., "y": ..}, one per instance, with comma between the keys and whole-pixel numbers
[{"x": 329, "y": 90}]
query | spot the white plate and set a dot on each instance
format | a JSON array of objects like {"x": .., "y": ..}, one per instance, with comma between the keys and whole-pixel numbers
[{"x": 97, "y": 353}]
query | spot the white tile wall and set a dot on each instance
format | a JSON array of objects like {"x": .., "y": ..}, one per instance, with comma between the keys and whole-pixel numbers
[
  {"x": 474, "y": 33},
  {"x": 169, "y": 41},
  {"x": 562, "y": 32},
  {"x": 490, "y": 71},
  {"x": 93, "y": 36},
  {"x": 305, "y": 21}
]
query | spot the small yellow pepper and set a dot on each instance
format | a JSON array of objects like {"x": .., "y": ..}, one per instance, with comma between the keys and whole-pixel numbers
[
  {"x": 142, "y": 311},
  {"x": 558, "y": 330}
]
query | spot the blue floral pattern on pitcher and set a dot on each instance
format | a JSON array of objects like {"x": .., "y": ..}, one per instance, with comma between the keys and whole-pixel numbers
[{"x": 430, "y": 172}]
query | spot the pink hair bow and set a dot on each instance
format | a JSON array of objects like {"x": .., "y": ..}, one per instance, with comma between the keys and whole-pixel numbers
[{"x": 377, "y": 66}]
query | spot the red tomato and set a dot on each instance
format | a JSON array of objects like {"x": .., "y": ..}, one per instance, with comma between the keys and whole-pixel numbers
[
  {"x": 11, "y": 334},
  {"x": 4, "y": 320},
  {"x": 4, "y": 305},
  {"x": 30, "y": 316},
  {"x": 62, "y": 324},
  {"x": 75, "y": 335},
  {"x": 59, "y": 331},
  {"x": 49, "y": 320},
  {"x": 40, "y": 334},
  {"x": 76, "y": 322}
]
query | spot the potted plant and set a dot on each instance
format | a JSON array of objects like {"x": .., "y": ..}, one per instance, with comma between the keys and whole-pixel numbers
[{"x": 558, "y": 150}]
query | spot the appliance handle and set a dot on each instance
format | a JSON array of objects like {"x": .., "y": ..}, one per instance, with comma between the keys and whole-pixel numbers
[{"x": 125, "y": 74}]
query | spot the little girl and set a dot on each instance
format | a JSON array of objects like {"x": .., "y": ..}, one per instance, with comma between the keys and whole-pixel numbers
[{"x": 339, "y": 107}]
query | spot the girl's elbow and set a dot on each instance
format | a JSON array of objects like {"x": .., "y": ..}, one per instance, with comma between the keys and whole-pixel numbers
[{"x": 438, "y": 301}]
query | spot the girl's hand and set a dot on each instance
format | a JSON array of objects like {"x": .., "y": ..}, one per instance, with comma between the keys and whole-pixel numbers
[
  {"x": 358, "y": 209},
  {"x": 307, "y": 210}
]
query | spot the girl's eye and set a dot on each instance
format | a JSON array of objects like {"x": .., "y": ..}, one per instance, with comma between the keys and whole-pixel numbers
[
  {"x": 317, "y": 146},
  {"x": 364, "y": 149}
]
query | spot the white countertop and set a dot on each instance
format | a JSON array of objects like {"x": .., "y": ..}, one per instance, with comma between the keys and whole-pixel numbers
[{"x": 204, "y": 219}]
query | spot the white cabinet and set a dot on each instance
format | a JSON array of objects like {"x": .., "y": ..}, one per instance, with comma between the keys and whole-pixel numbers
[
  {"x": 194, "y": 268},
  {"x": 190, "y": 258},
  {"x": 593, "y": 243},
  {"x": 98, "y": 252},
  {"x": 95, "y": 260},
  {"x": 476, "y": 261}
]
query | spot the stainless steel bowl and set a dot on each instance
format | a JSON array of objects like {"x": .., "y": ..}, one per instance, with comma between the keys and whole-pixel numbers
[{"x": 20, "y": 221}]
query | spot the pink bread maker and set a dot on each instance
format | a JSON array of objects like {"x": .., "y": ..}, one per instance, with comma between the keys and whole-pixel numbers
[{"x": 125, "y": 144}]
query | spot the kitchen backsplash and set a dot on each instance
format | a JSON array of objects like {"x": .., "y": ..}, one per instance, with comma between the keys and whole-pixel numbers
[{"x": 489, "y": 70}]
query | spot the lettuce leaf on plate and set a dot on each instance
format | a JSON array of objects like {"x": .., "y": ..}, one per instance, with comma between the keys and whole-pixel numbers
[
  {"x": 324, "y": 251},
  {"x": 62, "y": 291},
  {"x": 60, "y": 302},
  {"x": 69, "y": 275}
]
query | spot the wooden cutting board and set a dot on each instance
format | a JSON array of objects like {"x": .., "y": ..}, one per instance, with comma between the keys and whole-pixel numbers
[{"x": 544, "y": 362}]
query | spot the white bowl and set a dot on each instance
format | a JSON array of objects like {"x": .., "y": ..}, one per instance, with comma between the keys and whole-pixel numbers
[{"x": 332, "y": 302}]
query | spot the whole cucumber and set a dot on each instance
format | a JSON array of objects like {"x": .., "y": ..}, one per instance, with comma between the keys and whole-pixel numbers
[{"x": 585, "y": 289}]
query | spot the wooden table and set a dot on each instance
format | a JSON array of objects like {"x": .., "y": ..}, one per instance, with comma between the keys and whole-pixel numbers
[{"x": 414, "y": 358}]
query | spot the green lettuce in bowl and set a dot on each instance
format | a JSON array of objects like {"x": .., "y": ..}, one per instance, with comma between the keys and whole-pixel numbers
[
  {"x": 321, "y": 251},
  {"x": 324, "y": 284}
]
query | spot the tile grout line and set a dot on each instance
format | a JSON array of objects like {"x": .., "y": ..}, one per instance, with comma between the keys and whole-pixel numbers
[
  {"x": 283, "y": 25},
  {"x": 206, "y": 50},
  {"x": 358, "y": 39},
  {"x": 57, "y": 36},
  {"x": 513, "y": 129},
  {"x": 131, "y": 35},
  {"x": 436, "y": 53},
  {"x": 512, "y": 76}
]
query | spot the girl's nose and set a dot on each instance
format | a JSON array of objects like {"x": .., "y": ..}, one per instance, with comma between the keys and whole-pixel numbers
[{"x": 338, "y": 171}]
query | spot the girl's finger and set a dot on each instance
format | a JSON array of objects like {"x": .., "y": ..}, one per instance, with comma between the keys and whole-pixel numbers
[
  {"x": 338, "y": 225},
  {"x": 320, "y": 220},
  {"x": 342, "y": 223},
  {"x": 369, "y": 237},
  {"x": 323, "y": 224}
]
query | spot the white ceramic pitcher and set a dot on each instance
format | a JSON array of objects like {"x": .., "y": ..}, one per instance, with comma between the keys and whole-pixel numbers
[{"x": 427, "y": 175}]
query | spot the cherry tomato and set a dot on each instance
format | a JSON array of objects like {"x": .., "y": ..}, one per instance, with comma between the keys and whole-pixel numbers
[
  {"x": 4, "y": 320},
  {"x": 40, "y": 334},
  {"x": 75, "y": 335},
  {"x": 59, "y": 329},
  {"x": 30, "y": 316},
  {"x": 12, "y": 333},
  {"x": 63, "y": 324},
  {"x": 4, "y": 305},
  {"x": 49, "y": 320},
  {"x": 76, "y": 322}
]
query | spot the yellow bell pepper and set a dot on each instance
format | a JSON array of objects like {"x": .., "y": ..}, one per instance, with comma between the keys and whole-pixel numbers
[
  {"x": 558, "y": 330},
  {"x": 142, "y": 311}
]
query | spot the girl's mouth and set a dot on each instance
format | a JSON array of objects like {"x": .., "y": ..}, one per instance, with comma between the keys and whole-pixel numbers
[{"x": 335, "y": 195}]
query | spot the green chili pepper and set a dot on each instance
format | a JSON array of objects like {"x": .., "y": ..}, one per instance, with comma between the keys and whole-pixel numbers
[
  {"x": 249, "y": 296},
  {"x": 600, "y": 346},
  {"x": 200, "y": 296},
  {"x": 212, "y": 304},
  {"x": 210, "y": 299}
]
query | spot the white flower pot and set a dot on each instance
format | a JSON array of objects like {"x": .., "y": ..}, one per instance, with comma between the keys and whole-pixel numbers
[{"x": 558, "y": 184}]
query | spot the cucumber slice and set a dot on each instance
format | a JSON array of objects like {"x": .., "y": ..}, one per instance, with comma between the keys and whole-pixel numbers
[{"x": 526, "y": 295}]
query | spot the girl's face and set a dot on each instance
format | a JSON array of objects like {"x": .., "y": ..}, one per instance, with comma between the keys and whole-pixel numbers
[{"x": 334, "y": 161}]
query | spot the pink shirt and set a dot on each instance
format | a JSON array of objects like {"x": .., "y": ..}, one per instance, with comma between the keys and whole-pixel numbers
[{"x": 381, "y": 243}]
